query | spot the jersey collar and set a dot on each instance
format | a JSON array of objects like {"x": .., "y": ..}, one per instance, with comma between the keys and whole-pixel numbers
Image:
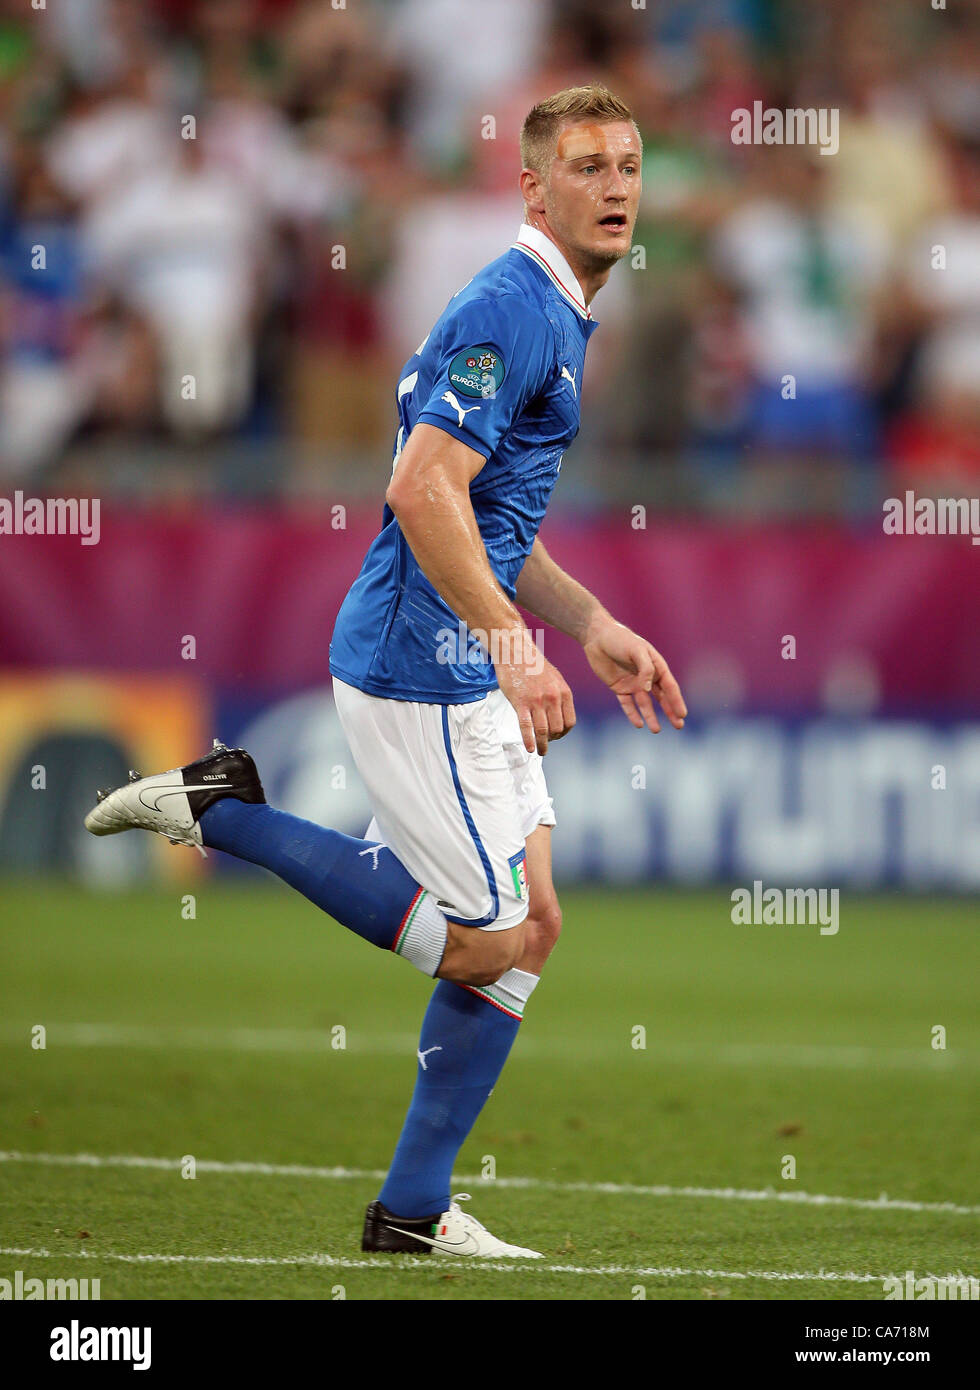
[{"x": 543, "y": 251}]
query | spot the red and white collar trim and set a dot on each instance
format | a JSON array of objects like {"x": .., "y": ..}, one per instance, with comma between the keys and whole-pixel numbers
[{"x": 543, "y": 251}]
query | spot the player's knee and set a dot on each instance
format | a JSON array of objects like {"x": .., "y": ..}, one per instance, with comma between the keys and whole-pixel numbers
[
  {"x": 495, "y": 958},
  {"x": 484, "y": 956},
  {"x": 544, "y": 927}
]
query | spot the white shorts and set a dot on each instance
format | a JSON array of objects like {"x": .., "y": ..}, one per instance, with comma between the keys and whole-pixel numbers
[{"x": 454, "y": 793}]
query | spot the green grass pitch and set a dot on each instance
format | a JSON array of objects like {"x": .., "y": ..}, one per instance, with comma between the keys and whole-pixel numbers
[{"x": 217, "y": 1038}]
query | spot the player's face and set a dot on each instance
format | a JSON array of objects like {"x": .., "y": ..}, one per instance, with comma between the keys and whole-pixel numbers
[{"x": 593, "y": 190}]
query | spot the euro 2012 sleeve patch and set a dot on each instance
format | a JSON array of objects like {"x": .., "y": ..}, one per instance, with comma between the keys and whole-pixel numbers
[{"x": 477, "y": 371}]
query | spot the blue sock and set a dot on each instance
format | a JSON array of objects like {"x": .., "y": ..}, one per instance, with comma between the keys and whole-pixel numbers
[
  {"x": 465, "y": 1042},
  {"x": 359, "y": 883}
]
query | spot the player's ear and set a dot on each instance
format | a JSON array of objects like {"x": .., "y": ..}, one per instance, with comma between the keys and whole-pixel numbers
[{"x": 532, "y": 189}]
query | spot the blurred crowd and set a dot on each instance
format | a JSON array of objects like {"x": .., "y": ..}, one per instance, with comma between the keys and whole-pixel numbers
[{"x": 234, "y": 220}]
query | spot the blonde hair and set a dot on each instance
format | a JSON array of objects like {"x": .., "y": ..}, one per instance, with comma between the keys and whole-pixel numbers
[{"x": 541, "y": 124}]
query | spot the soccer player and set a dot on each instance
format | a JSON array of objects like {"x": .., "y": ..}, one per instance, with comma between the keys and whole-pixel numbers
[{"x": 447, "y": 703}]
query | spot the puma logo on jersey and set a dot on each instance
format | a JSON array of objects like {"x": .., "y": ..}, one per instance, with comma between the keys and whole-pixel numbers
[
  {"x": 422, "y": 1056},
  {"x": 570, "y": 377},
  {"x": 450, "y": 399},
  {"x": 371, "y": 849}
]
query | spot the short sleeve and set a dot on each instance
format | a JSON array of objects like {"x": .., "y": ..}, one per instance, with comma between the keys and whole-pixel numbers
[{"x": 493, "y": 357}]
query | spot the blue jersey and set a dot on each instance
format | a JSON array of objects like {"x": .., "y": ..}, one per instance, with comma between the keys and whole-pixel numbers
[{"x": 501, "y": 370}]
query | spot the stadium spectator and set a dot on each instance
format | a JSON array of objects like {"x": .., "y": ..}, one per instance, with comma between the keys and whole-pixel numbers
[
  {"x": 808, "y": 271},
  {"x": 362, "y": 131},
  {"x": 938, "y": 440},
  {"x": 45, "y": 382}
]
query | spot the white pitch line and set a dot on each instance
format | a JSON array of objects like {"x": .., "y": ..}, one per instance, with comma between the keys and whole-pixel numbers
[
  {"x": 472, "y": 1265},
  {"x": 614, "y": 1189},
  {"x": 319, "y": 1041}
]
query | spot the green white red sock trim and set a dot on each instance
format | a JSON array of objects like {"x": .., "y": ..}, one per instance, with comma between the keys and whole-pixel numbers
[
  {"x": 406, "y": 922},
  {"x": 421, "y": 935},
  {"x": 483, "y": 991},
  {"x": 509, "y": 994}
]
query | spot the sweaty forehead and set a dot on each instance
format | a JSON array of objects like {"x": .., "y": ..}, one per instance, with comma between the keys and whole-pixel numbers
[
  {"x": 582, "y": 139},
  {"x": 579, "y": 140}
]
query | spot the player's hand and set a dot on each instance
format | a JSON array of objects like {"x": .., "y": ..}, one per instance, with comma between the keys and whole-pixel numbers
[
  {"x": 539, "y": 693},
  {"x": 636, "y": 673}
]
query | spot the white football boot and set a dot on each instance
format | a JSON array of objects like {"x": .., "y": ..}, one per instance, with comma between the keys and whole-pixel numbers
[
  {"x": 455, "y": 1232},
  {"x": 172, "y": 803}
]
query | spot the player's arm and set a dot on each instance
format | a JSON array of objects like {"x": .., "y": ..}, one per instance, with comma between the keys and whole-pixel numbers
[
  {"x": 429, "y": 494},
  {"x": 632, "y": 668}
]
